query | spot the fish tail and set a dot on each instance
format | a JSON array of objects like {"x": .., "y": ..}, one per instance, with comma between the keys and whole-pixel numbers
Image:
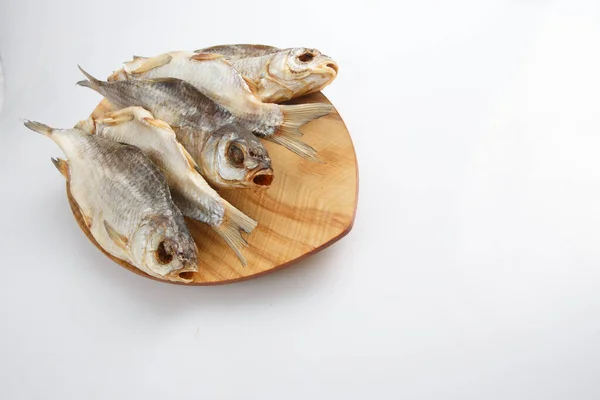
[
  {"x": 292, "y": 143},
  {"x": 294, "y": 116},
  {"x": 91, "y": 83},
  {"x": 39, "y": 128},
  {"x": 234, "y": 223}
]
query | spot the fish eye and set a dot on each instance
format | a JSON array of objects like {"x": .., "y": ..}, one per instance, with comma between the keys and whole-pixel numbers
[
  {"x": 163, "y": 253},
  {"x": 306, "y": 57},
  {"x": 235, "y": 155}
]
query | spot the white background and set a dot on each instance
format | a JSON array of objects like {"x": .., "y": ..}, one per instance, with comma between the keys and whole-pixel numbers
[{"x": 473, "y": 269}]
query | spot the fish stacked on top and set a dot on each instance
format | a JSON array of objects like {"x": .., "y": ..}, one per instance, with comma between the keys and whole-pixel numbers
[{"x": 183, "y": 123}]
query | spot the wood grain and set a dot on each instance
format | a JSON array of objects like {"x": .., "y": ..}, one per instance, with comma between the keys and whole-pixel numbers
[{"x": 308, "y": 207}]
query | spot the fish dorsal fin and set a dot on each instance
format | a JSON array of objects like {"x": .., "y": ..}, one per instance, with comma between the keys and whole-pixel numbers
[
  {"x": 252, "y": 85},
  {"x": 116, "y": 117},
  {"x": 139, "y": 58},
  {"x": 157, "y": 123},
  {"x": 119, "y": 240},
  {"x": 189, "y": 158},
  {"x": 148, "y": 64},
  {"x": 62, "y": 166},
  {"x": 205, "y": 56}
]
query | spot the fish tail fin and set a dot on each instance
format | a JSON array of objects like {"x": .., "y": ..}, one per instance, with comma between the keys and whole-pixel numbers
[
  {"x": 294, "y": 116},
  {"x": 293, "y": 144},
  {"x": 234, "y": 223},
  {"x": 91, "y": 83},
  {"x": 39, "y": 128}
]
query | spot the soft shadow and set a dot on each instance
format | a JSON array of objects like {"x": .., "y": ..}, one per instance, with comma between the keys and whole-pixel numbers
[{"x": 288, "y": 284}]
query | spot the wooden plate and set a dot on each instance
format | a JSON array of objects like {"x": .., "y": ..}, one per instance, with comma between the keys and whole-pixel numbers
[{"x": 308, "y": 207}]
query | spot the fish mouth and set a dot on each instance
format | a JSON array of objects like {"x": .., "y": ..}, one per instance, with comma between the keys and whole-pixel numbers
[
  {"x": 333, "y": 65},
  {"x": 329, "y": 67},
  {"x": 262, "y": 177},
  {"x": 185, "y": 275}
]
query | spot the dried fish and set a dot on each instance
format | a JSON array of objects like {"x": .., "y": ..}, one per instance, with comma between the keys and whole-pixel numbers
[
  {"x": 194, "y": 197},
  {"x": 279, "y": 74},
  {"x": 237, "y": 51},
  {"x": 125, "y": 202},
  {"x": 216, "y": 78},
  {"x": 228, "y": 155}
]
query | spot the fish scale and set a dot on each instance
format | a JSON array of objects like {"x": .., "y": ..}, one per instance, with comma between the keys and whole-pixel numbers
[
  {"x": 217, "y": 79},
  {"x": 190, "y": 192},
  {"x": 204, "y": 128},
  {"x": 125, "y": 202}
]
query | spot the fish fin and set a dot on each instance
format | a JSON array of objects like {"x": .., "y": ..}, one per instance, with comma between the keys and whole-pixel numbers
[
  {"x": 91, "y": 83},
  {"x": 205, "y": 56},
  {"x": 87, "y": 220},
  {"x": 39, "y": 128},
  {"x": 294, "y": 116},
  {"x": 248, "y": 50},
  {"x": 283, "y": 92},
  {"x": 119, "y": 240},
  {"x": 139, "y": 58},
  {"x": 295, "y": 145},
  {"x": 150, "y": 63},
  {"x": 157, "y": 123},
  {"x": 252, "y": 85},
  {"x": 116, "y": 117},
  {"x": 189, "y": 158},
  {"x": 234, "y": 223},
  {"x": 62, "y": 166},
  {"x": 87, "y": 125},
  {"x": 118, "y": 75},
  {"x": 127, "y": 113}
]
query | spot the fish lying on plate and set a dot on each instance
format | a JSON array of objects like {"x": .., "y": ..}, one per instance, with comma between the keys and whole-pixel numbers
[
  {"x": 125, "y": 203},
  {"x": 194, "y": 197},
  {"x": 227, "y": 154},
  {"x": 216, "y": 78},
  {"x": 279, "y": 74}
]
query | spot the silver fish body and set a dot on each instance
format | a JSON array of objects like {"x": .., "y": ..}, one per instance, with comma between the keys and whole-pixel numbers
[
  {"x": 280, "y": 74},
  {"x": 195, "y": 117},
  {"x": 125, "y": 202},
  {"x": 216, "y": 78},
  {"x": 237, "y": 51},
  {"x": 194, "y": 197}
]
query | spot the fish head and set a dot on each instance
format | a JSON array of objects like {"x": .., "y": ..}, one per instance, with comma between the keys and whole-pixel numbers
[
  {"x": 164, "y": 248},
  {"x": 303, "y": 70},
  {"x": 237, "y": 159}
]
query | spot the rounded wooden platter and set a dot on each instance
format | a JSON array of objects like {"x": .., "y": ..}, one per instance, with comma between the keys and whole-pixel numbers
[{"x": 308, "y": 207}]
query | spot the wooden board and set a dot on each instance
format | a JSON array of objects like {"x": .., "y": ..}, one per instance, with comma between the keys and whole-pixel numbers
[{"x": 308, "y": 207}]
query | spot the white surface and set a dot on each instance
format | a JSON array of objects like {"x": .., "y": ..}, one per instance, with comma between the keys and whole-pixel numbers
[
  {"x": 1, "y": 86},
  {"x": 472, "y": 272}
]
